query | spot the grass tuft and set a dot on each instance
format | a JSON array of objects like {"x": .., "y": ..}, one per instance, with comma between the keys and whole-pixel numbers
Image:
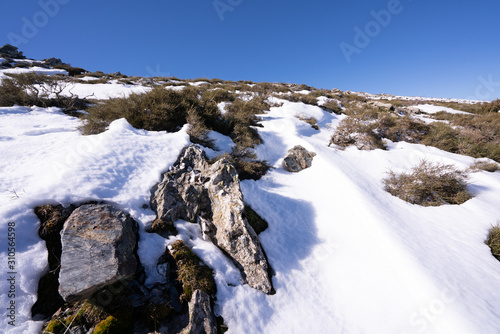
[
  {"x": 192, "y": 272},
  {"x": 429, "y": 184},
  {"x": 493, "y": 240}
]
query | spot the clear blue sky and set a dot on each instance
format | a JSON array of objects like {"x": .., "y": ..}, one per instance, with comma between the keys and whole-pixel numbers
[{"x": 431, "y": 48}]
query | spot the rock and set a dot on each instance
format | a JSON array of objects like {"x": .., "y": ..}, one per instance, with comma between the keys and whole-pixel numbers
[
  {"x": 53, "y": 61},
  {"x": 180, "y": 194},
  {"x": 233, "y": 233},
  {"x": 297, "y": 159},
  {"x": 201, "y": 317},
  {"x": 98, "y": 249},
  {"x": 10, "y": 51},
  {"x": 211, "y": 196}
]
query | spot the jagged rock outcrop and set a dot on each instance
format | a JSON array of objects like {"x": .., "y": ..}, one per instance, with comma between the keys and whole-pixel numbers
[
  {"x": 10, "y": 51},
  {"x": 53, "y": 61},
  {"x": 98, "y": 249},
  {"x": 201, "y": 317},
  {"x": 211, "y": 195},
  {"x": 297, "y": 159},
  {"x": 181, "y": 193},
  {"x": 232, "y": 232}
]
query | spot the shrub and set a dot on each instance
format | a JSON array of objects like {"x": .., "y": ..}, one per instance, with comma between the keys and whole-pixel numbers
[
  {"x": 241, "y": 117},
  {"x": 429, "y": 184},
  {"x": 309, "y": 120},
  {"x": 304, "y": 98},
  {"x": 493, "y": 240},
  {"x": 191, "y": 271},
  {"x": 246, "y": 164},
  {"x": 487, "y": 166},
  {"x": 355, "y": 131},
  {"x": 158, "y": 110},
  {"x": 475, "y": 135},
  {"x": 401, "y": 129},
  {"x": 38, "y": 89},
  {"x": 333, "y": 106},
  {"x": 217, "y": 96},
  {"x": 442, "y": 136}
]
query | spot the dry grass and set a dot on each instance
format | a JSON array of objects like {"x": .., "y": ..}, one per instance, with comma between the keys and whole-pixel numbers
[
  {"x": 355, "y": 131},
  {"x": 309, "y": 120},
  {"x": 191, "y": 271},
  {"x": 487, "y": 166},
  {"x": 493, "y": 240},
  {"x": 429, "y": 184}
]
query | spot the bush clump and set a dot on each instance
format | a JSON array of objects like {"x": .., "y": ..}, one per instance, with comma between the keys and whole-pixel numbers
[
  {"x": 158, "y": 110},
  {"x": 401, "y": 128},
  {"x": 28, "y": 89},
  {"x": 487, "y": 166},
  {"x": 246, "y": 163},
  {"x": 493, "y": 240},
  {"x": 429, "y": 184},
  {"x": 191, "y": 271},
  {"x": 355, "y": 131}
]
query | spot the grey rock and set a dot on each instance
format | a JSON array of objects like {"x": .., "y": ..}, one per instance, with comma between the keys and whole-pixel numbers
[
  {"x": 98, "y": 249},
  {"x": 180, "y": 194},
  {"x": 201, "y": 317},
  {"x": 211, "y": 196},
  {"x": 53, "y": 61},
  {"x": 297, "y": 159},
  {"x": 10, "y": 51},
  {"x": 233, "y": 233}
]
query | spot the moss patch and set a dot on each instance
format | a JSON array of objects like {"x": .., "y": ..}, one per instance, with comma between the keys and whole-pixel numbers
[
  {"x": 113, "y": 325},
  {"x": 192, "y": 272}
]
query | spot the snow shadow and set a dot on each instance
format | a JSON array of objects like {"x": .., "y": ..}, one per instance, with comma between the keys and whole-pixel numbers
[{"x": 292, "y": 232}]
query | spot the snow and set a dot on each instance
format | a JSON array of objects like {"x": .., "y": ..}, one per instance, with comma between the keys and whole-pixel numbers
[
  {"x": 176, "y": 88},
  {"x": 46, "y": 160},
  {"x": 3, "y": 60},
  {"x": 198, "y": 83},
  {"x": 104, "y": 91},
  {"x": 432, "y": 109},
  {"x": 222, "y": 107},
  {"x": 88, "y": 78},
  {"x": 348, "y": 257},
  {"x": 36, "y": 69}
]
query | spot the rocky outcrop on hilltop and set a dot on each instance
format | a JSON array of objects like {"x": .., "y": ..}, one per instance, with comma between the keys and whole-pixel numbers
[
  {"x": 10, "y": 51},
  {"x": 210, "y": 195}
]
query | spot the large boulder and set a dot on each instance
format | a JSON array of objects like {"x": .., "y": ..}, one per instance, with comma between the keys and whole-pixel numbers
[
  {"x": 211, "y": 196},
  {"x": 98, "y": 248},
  {"x": 201, "y": 317},
  {"x": 297, "y": 159}
]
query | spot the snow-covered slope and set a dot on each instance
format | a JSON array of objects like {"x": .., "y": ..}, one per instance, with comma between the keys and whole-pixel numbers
[{"x": 348, "y": 257}]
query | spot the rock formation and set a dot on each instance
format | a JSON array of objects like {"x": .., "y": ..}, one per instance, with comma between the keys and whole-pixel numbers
[
  {"x": 211, "y": 195},
  {"x": 98, "y": 249},
  {"x": 10, "y": 51},
  {"x": 201, "y": 317},
  {"x": 297, "y": 159}
]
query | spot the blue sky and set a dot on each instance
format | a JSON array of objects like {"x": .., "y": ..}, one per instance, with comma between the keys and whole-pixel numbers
[{"x": 415, "y": 47}]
